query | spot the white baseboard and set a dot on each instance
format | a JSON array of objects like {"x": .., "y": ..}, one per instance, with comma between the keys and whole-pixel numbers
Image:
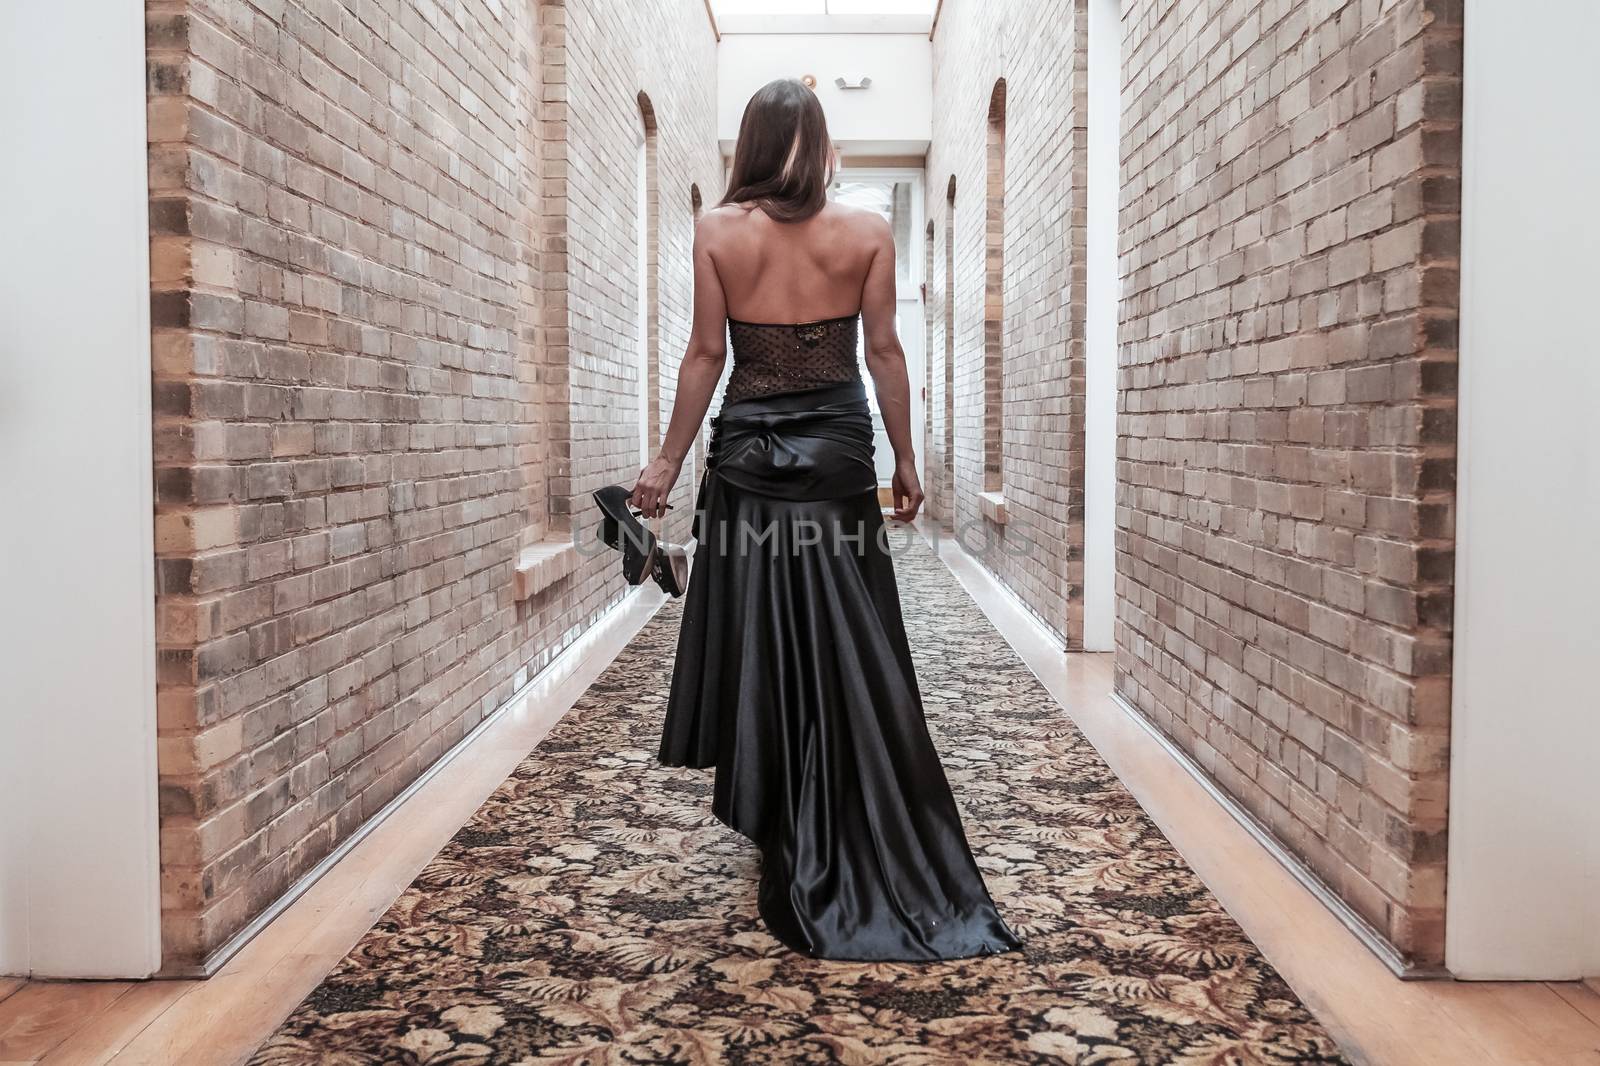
[{"x": 1302, "y": 873}]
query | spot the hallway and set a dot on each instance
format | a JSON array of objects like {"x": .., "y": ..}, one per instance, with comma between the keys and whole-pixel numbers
[
  {"x": 594, "y": 907},
  {"x": 643, "y": 903},
  {"x": 1251, "y": 601}
]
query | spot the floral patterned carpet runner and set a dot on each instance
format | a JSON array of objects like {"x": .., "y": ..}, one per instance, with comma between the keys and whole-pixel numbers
[{"x": 593, "y": 910}]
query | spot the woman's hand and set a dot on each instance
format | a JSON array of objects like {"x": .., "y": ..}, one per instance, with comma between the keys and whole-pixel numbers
[
  {"x": 655, "y": 483},
  {"x": 907, "y": 490}
]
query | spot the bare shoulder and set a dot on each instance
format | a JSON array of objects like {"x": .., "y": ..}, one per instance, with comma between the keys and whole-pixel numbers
[
  {"x": 865, "y": 232},
  {"x": 715, "y": 224},
  {"x": 859, "y": 221},
  {"x": 722, "y": 214}
]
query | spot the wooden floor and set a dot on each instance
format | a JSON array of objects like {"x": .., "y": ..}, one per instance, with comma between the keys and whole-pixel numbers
[{"x": 1377, "y": 1018}]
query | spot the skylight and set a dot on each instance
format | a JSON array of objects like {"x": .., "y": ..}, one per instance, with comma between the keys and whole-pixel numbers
[
  {"x": 823, "y": 7},
  {"x": 824, "y": 16},
  {"x": 882, "y": 7}
]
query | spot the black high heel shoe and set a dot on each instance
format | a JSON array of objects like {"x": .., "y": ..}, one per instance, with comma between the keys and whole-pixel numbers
[
  {"x": 642, "y": 553},
  {"x": 671, "y": 568},
  {"x": 621, "y": 529}
]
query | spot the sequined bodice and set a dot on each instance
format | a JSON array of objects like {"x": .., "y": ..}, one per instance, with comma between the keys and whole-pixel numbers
[{"x": 770, "y": 358}]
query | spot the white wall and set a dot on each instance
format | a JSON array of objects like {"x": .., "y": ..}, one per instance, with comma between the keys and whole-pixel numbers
[
  {"x": 892, "y": 117},
  {"x": 1100, "y": 332},
  {"x": 78, "y": 852},
  {"x": 1524, "y": 864}
]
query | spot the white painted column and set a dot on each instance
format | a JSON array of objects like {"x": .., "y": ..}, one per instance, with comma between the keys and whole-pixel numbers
[
  {"x": 79, "y": 892},
  {"x": 1100, "y": 367},
  {"x": 1524, "y": 865}
]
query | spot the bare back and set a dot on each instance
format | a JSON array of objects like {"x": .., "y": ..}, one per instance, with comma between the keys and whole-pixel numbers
[
  {"x": 752, "y": 269},
  {"x": 757, "y": 272},
  {"x": 784, "y": 272}
]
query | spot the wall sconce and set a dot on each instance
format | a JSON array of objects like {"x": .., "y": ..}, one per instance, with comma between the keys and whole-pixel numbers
[
  {"x": 809, "y": 81},
  {"x": 859, "y": 81}
]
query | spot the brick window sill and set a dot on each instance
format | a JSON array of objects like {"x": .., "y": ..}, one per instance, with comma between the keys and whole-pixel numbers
[
  {"x": 993, "y": 507},
  {"x": 541, "y": 565}
]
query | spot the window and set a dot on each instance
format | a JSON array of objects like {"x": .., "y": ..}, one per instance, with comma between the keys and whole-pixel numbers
[
  {"x": 950, "y": 346},
  {"x": 649, "y": 283},
  {"x": 994, "y": 290}
]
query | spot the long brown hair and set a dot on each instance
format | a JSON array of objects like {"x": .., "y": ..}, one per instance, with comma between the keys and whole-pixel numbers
[{"x": 783, "y": 162}]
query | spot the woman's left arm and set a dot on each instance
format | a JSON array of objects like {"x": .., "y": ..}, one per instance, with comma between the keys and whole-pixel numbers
[{"x": 698, "y": 375}]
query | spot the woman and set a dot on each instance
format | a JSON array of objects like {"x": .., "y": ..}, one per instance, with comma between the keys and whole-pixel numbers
[{"x": 793, "y": 675}]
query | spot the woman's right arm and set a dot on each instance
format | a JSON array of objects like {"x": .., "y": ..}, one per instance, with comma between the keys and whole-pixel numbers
[{"x": 698, "y": 375}]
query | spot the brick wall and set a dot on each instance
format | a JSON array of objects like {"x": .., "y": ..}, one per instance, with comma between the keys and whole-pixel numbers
[
  {"x": 395, "y": 337},
  {"x": 1289, "y": 233},
  {"x": 1035, "y": 313}
]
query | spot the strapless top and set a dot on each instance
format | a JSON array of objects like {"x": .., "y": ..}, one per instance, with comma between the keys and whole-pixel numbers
[{"x": 774, "y": 357}]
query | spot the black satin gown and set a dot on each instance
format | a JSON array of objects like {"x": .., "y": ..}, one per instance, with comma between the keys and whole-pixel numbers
[{"x": 794, "y": 677}]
